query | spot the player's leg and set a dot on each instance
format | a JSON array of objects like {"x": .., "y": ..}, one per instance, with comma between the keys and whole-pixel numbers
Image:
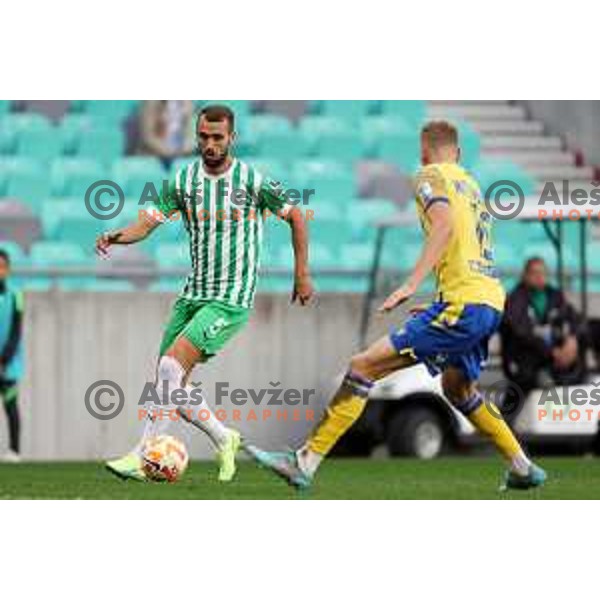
[
  {"x": 343, "y": 411},
  {"x": 464, "y": 394},
  {"x": 9, "y": 394},
  {"x": 210, "y": 329}
]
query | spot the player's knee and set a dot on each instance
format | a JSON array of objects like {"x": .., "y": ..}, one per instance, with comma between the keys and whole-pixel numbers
[
  {"x": 454, "y": 388},
  {"x": 362, "y": 365}
]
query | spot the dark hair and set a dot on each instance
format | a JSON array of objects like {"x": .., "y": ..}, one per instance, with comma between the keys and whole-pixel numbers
[
  {"x": 5, "y": 255},
  {"x": 533, "y": 260},
  {"x": 440, "y": 133},
  {"x": 218, "y": 112}
]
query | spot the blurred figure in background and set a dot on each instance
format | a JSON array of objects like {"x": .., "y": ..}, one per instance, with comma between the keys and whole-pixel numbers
[
  {"x": 11, "y": 360},
  {"x": 539, "y": 333},
  {"x": 167, "y": 129}
]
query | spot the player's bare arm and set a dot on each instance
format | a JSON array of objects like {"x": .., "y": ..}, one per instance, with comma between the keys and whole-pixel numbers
[
  {"x": 136, "y": 232},
  {"x": 303, "y": 288},
  {"x": 441, "y": 233}
]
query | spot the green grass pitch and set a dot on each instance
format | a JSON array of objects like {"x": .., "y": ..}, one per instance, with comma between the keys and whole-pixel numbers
[{"x": 447, "y": 478}]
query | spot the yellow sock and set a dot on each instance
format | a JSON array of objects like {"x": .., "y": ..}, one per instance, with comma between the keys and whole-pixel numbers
[
  {"x": 344, "y": 410},
  {"x": 493, "y": 426}
]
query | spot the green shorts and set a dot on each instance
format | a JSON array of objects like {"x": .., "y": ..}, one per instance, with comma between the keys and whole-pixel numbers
[{"x": 209, "y": 325}]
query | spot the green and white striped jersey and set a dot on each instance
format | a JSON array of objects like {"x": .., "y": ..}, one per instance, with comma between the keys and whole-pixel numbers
[{"x": 223, "y": 217}]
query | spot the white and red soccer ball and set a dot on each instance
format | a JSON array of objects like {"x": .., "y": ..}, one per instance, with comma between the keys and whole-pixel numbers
[{"x": 164, "y": 458}]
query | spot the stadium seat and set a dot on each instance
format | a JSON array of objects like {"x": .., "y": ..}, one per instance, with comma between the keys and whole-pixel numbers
[
  {"x": 71, "y": 177},
  {"x": 330, "y": 180},
  {"x": 57, "y": 254},
  {"x": 26, "y": 179},
  {"x": 413, "y": 112},
  {"x": 286, "y": 144},
  {"x": 489, "y": 172},
  {"x": 401, "y": 149},
  {"x": 40, "y": 144},
  {"x": 332, "y": 138},
  {"x": 12, "y": 125},
  {"x": 171, "y": 285},
  {"x": 134, "y": 173},
  {"x": 115, "y": 110},
  {"x": 272, "y": 166},
  {"x": 5, "y": 106},
  {"x": 101, "y": 144},
  {"x": 350, "y": 110},
  {"x": 73, "y": 126},
  {"x": 80, "y": 228}
]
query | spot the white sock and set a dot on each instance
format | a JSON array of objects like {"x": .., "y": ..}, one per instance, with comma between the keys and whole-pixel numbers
[
  {"x": 520, "y": 464},
  {"x": 205, "y": 420},
  {"x": 171, "y": 371},
  {"x": 308, "y": 461}
]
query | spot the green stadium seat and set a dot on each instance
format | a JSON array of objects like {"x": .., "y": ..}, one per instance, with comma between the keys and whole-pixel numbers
[
  {"x": 350, "y": 110},
  {"x": 288, "y": 145},
  {"x": 470, "y": 145},
  {"x": 271, "y": 166},
  {"x": 265, "y": 125},
  {"x": 322, "y": 232},
  {"x": 12, "y": 125},
  {"x": 331, "y": 180},
  {"x": 80, "y": 228},
  {"x": 401, "y": 149},
  {"x": 32, "y": 284},
  {"x": 116, "y": 110},
  {"x": 171, "y": 285},
  {"x": 57, "y": 254},
  {"x": 73, "y": 126},
  {"x": 53, "y": 211},
  {"x": 71, "y": 177},
  {"x": 414, "y": 112},
  {"x": 488, "y": 172},
  {"x": 333, "y": 138},
  {"x": 5, "y": 106},
  {"x": 135, "y": 172},
  {"x": 40, "y": 144},
  {"x": 103, "y": 145},
  {"x": 26, "y": 179}
]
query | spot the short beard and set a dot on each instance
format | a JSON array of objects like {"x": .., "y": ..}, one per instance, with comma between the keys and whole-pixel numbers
[{"x": 215, "y": 163}]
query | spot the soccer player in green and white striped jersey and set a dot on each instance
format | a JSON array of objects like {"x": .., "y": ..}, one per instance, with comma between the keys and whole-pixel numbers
[{"x": 221, "y": 201}]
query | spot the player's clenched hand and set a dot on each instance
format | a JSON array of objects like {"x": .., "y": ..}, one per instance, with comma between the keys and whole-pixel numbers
[
  {"x": 104, "y": 241},
  {"x": 303, "y": 290},
  {"x": 400, "y": 296}
]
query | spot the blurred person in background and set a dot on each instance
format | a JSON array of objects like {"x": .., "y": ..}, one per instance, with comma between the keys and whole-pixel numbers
[
  {"x": 11, "y": 360},
  {"x": 166, "y": 129},
  {"x": 540, "y": 331}
]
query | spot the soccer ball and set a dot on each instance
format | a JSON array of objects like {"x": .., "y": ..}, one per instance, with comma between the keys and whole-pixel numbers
[{"x": 164, "y": 458}]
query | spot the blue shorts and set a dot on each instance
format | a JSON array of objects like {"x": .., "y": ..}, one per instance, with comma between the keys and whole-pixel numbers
[{"x": 447, "y": 335}]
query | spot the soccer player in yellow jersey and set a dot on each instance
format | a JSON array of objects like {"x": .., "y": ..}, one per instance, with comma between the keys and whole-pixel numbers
[{"x": 450, "y": 336}]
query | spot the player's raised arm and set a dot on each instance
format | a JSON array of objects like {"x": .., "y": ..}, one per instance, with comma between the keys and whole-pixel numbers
[
  {"x": 167, "y": 203},
  {"x": 131, "y": 234}
]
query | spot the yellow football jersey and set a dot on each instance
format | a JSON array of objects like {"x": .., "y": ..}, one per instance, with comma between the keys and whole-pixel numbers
[{"x": 466, "y": 273}]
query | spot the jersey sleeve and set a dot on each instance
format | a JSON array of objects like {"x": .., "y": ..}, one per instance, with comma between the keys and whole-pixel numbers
[
  {"x": 169, "y": 198},
  {"x": 273, "y": 195},
  {"x": 430, "y": 188}
]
